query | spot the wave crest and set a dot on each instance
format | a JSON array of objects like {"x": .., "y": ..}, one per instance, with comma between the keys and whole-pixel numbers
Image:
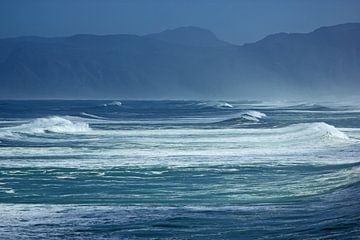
[
  {"x": 52, "y": 124},
  {"x": 215, "y": 105},
  {"x": 250, "y": 115},
  {"x": 92, "y": 116},
  {"x": 114, "y": 103},
  {"x": 320, "y": 129},
  {"x": 253, "y": 115}
]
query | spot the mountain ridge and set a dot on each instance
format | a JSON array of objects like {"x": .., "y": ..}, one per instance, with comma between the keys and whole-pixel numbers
[
  {"x": 325, "y": 61},
  {"x": 190, "y": 36}
]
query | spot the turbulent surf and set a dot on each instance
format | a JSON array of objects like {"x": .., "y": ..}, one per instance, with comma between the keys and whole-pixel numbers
[{"x": 179, "y": 170}]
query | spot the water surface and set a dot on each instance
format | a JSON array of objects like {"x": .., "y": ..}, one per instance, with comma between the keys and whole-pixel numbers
[{"x": 179, "y": 170}]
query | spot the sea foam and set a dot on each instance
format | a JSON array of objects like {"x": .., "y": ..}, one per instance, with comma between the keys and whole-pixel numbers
[
  {"x": 250, "y": 115},
  {"x": 319, "y": 129},
  {"x": 215, "y": 105},
  {"x": 54, "y": 124},
  {"x": 253, "y": 115},
  {"x": 114, "y": 103}
]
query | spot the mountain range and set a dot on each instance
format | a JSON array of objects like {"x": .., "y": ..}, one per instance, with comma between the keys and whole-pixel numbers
[{"x": 182, "y": 63}]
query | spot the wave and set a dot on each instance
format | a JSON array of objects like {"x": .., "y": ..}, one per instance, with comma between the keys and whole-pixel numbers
[
  {"x": 224, "y": 105},
  {"x": 318, "y": 129},
  {"x": 250, "y": 115},
  {"x": 303, "y": 134},
  {"x": 253, "y": 115},
  {"x": 314, "y": 143},
  {"x": 54, "y": 124},
  {"x": 220, "y": 105},
  {"x": 114, "y": 103},
  {"x": 93, "y": 116},
  {"x": 310, "y": 107}
]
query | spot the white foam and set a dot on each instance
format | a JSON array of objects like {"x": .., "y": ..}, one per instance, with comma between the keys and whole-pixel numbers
[
  {"x": 216, "y": 104},
  {"x": 52, "y": 124},
  {"x": 114, "y": 103},
  {"x": 250, "y": 115},
  {"x": 9, "y": 191},
  {"x": 91, "y": 115},
  {"x": 253, "y": 115},
  {"x": 316, "y": 142},
  {"x": 225, "y": 105},
  {"x": 65, "y": 177},
  {"x": 323, "y": 129}
]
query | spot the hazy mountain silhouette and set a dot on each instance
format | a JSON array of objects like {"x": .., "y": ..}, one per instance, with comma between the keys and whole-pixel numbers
[
  {"x": 190, "y": 36},
  {"x": 187, "y": 62}
]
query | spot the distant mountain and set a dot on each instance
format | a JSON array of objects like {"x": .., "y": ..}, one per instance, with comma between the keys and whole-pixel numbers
[
  {"x": 186, "y": 62},
  {"x": 190, "y": 36}
]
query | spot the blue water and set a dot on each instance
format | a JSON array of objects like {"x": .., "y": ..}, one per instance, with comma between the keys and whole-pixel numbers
[{"x": 179, "y": 170}]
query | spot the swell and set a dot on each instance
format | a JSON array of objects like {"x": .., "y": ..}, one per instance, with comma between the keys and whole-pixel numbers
[
  {"x": 296, "y": 185},
  {"x": 216, "y": 105},
  {"x": 242, "y": 117},
  {"x": 113, "y": 104},
  {"x": 91, "y": 116},
  {"x": 353, "y": 187},
  {"x": 54, "y": 124},
  {"x": 297, "y": 221},
  {"x": 294, "y": 132},
  {"x": 310, "y": 107}
]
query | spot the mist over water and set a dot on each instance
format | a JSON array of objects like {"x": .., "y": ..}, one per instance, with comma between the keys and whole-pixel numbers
[{"x": 179, "y": 169}]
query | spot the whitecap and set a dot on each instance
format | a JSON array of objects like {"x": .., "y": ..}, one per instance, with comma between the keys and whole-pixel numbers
[
  {"x": 65, "y": 177},
  {"x": 253, "y": 115},
  {"x": 54, "y": 124},
  {"x": 114, "y": 103},
  {"x": 320, "y": 129},
  {"x": 216, "y": 104},
  {"x": 9, "y": 191},
  {"x": 91, "y": 115},
  {"x": 224, "y": 105},
  {"x": 250, "y": 115}
]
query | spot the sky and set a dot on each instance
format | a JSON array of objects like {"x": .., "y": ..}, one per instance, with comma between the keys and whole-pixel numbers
[{"x": 236, "y": 21}]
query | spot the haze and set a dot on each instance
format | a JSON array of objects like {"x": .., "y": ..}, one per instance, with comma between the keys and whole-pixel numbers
[{"x": 231, "y": 20}]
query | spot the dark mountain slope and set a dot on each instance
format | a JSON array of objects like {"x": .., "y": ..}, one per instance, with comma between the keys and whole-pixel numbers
[{"x": 182, "y": 63}]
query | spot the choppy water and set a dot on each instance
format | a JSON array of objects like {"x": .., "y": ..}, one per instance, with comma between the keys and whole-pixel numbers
[{"x": 179, "y": 170}]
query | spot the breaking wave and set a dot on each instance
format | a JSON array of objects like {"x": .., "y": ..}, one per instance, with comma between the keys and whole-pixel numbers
[
  {"x": 224, "y": 105},
  {"x": 52, "y": 124},
  {"x": 294, "y": 133},
  {"x": 114, "y": 103},
  {"x": 92, "y": 116},
  {"x": 316, "y": 129},
  {"x": 215, "y": 105},
  {"x": 253, "y": 115},
  {"x": 250, "y": 115}
]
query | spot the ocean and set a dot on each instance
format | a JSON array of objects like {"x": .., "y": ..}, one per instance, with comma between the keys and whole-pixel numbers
[{"x": 179, "y": 170}]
